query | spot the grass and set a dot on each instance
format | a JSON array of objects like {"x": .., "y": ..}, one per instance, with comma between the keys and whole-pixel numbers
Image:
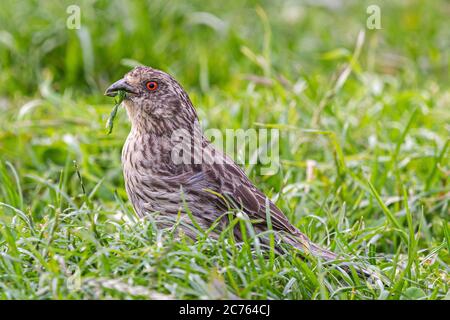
[{"x": 365, "y": 112}]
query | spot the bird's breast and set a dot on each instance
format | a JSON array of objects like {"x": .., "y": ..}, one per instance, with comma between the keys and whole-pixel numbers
[{"x": 145, "y": 161}]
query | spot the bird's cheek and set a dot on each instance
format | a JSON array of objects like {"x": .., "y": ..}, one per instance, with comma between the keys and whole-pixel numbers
[
  {"x": 128, "y": 103},
  {"x": 130, "y": 106}
]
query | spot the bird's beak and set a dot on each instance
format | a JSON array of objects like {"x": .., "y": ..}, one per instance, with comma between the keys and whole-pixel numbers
[{"x": 119, "y": 85}]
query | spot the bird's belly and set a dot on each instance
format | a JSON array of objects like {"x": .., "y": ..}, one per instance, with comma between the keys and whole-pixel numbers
[
  {"x": 153, "y": 196},
  {"x": 150, "y": 194}
]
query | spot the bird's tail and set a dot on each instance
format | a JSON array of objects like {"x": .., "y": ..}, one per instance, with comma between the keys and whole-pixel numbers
[{"x": 307, "y": 247}]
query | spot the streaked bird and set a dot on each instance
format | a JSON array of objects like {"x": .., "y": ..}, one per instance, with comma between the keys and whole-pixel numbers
[{"x": 162, "y": 117}]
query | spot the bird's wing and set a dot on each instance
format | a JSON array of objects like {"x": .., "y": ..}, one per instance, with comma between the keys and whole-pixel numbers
[
  {"x": 230, "y": 181},
  {"x": 255, "y": 203}
]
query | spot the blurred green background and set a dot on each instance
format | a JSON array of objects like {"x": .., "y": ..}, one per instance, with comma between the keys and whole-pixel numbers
[
  {"x": 203, "y": 43},
  {"x": 383, "y": 99}
]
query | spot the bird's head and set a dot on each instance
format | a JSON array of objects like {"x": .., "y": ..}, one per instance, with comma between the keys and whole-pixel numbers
[{"x": 155, "y": 101}]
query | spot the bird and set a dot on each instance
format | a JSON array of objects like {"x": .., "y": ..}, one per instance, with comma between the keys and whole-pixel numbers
[{"x": 201, "y": 193}]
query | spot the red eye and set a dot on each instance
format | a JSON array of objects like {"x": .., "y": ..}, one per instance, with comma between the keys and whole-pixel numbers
[{"x": 152, "y": 85}]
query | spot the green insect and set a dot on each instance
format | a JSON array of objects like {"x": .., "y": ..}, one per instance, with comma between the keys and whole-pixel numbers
[{"x": 110, "y": 123}]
